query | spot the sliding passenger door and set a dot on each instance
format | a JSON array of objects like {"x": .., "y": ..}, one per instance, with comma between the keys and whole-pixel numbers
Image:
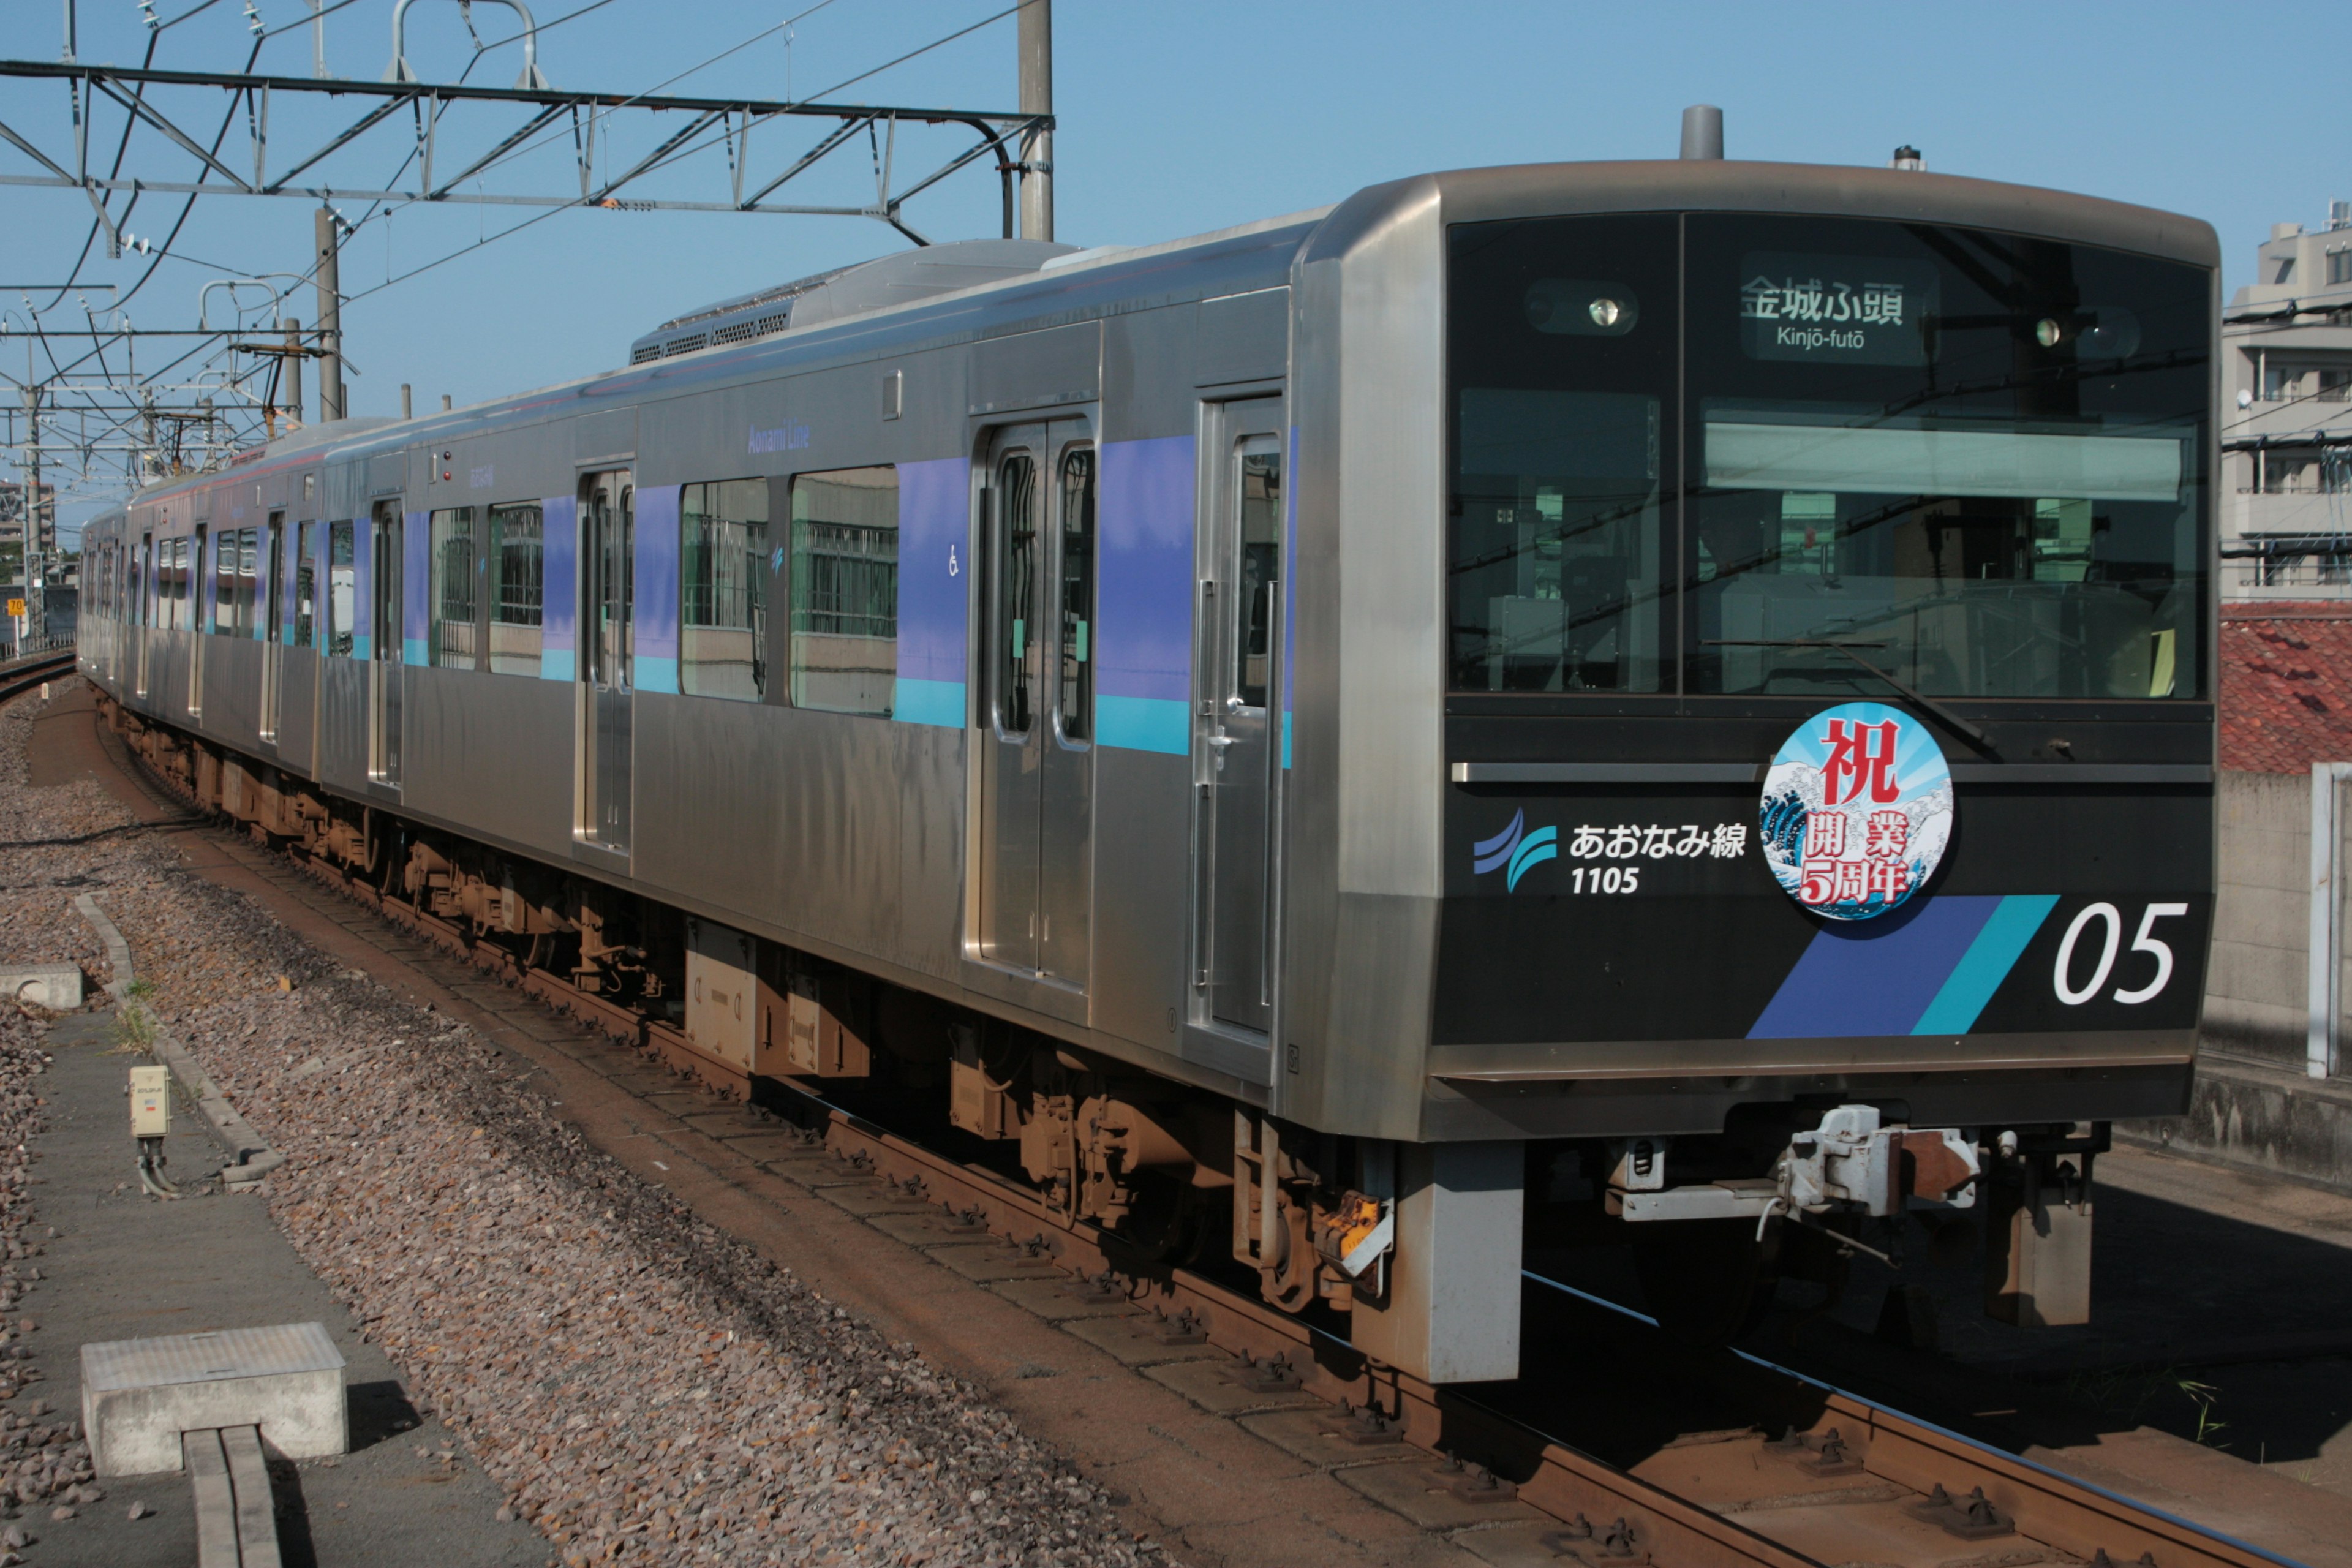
[
  {"x": 1012, "y": 771},
  {"x": 384, "y": 651},
  {"x": 607, "y": 560},
  {"x": 1036, "y": 854},
  {"x": 142, "y": 607},
  {"x": 1237, "y": 735},
  {"x": 267, "y": 594}
]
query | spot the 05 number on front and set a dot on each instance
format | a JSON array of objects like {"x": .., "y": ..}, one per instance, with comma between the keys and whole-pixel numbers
[{"x": 2070, "y": 962}]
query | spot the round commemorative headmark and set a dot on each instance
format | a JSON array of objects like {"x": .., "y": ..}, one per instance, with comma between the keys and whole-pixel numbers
[{"x": 1857, "y": 810}]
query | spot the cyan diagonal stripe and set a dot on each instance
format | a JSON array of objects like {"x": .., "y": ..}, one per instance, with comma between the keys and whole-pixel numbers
[{"x": 1986, "y": 965}]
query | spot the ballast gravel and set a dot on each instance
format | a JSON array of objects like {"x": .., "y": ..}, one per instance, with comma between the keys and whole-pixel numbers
[{"x": 642, "y": 1388}]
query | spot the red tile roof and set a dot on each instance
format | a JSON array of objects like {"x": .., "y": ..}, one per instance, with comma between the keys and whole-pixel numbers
[{"x": 2286, "y": 686}]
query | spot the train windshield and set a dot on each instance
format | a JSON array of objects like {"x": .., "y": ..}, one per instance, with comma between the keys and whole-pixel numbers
[{"x": 1970, "y": 462}]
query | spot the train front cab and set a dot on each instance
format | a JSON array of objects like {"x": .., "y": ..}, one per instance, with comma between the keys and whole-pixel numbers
[{"x": 1815, "y": 710}]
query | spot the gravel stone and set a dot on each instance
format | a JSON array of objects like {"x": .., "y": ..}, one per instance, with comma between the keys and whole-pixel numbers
[{"x": 642, "y": 1387}]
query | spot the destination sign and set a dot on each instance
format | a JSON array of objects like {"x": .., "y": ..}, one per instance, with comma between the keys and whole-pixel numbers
[{"x": 1860, "y": 310}]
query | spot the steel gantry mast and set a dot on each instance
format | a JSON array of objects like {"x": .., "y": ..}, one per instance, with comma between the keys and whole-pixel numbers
[{"x": 88, "y": 408}]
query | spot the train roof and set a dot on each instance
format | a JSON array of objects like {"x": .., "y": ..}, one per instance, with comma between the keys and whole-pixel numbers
[{"x": 1028, "y": 285}]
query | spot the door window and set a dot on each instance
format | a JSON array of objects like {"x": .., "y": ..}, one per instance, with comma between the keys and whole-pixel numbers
[
  {"x": 342, "y": 590},
  {"x": 1015, "y": 591},
  {"x": 1076, "y": 633},
  {"x": 306, "y": 583},
  {"x": 266, "y": 607},
  {"x": 611, "y": 516},
  {"x": 1260, "y": 491}
]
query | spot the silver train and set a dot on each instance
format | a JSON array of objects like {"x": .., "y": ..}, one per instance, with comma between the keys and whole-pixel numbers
[{"x": 1662, "y": 700}]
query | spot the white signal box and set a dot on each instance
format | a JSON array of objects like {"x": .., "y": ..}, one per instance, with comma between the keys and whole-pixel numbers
[{"x": 151, "y": 1101}]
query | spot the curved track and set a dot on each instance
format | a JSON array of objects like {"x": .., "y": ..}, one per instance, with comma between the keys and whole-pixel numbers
[{"x": 1617, "y": 1450}]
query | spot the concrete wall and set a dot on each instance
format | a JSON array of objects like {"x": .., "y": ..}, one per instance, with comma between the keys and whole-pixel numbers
[
  {"x": 2255, "y": 989},
  {"x": 2252, "y": 1107}
]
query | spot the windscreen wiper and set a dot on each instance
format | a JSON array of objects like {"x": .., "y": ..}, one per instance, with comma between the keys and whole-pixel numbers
[{"x": 1970, "y": 733}]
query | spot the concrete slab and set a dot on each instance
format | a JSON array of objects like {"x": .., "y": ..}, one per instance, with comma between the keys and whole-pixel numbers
[
  {"x": 1419, "y": 1492},
  {"x": 991, "y": 1260},
  {"x": 139, "y": 1395},
  {"x": 1135, "y": 1342},
  {"x": 1061, "y": 1300},
  {"x": 1314, "y": 1436},
  {"x": 1205, "y": 1383}
]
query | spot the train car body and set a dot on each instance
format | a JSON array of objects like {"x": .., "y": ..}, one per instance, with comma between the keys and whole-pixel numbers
[{"x": 1699, "y": 671}]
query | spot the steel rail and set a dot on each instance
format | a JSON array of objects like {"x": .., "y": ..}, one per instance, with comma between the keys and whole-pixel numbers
[
  {"x": 1898, "y": 1458},
  {"x": 19, "y": 678}
]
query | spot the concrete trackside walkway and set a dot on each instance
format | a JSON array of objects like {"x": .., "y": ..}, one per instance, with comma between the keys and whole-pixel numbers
[{"x": 125, "y": 1266}]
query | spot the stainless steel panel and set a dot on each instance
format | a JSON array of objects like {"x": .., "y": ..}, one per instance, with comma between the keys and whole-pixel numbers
[
  {"x": 1585, "y": 1061},
  {"x": 488, "y": 750},
  {"x": 1054, "y": 368},
  {"x": 1242, "y": 337},
  {"x": 232, "y": 677},
  {"x": 298, "y": 710},
  {"x": 1143, "y": 872},
  {"x": 343, "y": 707}
]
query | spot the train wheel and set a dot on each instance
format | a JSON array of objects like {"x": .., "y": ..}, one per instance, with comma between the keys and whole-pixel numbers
[{"x": 1705, "y": 1280}]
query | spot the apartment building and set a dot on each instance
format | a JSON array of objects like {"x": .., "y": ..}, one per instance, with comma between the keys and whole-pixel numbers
[{"x": 2287, "y": 418}]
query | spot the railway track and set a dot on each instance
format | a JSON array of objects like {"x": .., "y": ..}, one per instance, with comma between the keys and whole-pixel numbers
[
  {"x": 16, "y": 680},
  {"x": 1618, "y": 1450}
]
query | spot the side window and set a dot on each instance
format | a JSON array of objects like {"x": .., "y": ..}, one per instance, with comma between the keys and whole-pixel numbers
[
  {"x": 845, "y": 591},
  {"x": 516, "y": 586},
  {"x": 452, "y": 588},
  {"x": 722, "y": 562},
  {"x": 341, "y": 589},
  {"x": 306, "y": 582},
  {"x": 246, "y": 585}
]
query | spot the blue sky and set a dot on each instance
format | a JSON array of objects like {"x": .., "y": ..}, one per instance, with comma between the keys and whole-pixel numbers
[{"x": 1173, "y": 119}]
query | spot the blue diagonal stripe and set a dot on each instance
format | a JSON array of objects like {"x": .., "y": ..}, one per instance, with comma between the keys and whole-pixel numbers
[
  {"x": 1986, "y": 965},
  {"x": 1873, "y": 976}
]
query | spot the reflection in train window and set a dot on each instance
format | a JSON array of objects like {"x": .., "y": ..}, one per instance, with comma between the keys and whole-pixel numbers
[
  {"x": 722, "y": 568},
  {"x": 845, "y": 591},
  {"x": 452, "y": 592},
  {"x": 306, "y": 582},
  {"x": 237, "y": 552},
  {"x": 341, "y": 589},
  {"x": 518, "y": 573}
]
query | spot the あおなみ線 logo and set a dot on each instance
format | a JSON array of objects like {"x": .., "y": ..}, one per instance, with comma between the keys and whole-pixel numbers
[{"x": 1515, "y": 848}]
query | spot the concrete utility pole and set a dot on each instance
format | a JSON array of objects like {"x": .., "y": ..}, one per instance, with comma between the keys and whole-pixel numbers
[
  {"x": 1038, "y": 97},
  {"x": 291, "y": 373},
  {"x": 331, "y": 317},
  {"x": 32, "y": 551}
]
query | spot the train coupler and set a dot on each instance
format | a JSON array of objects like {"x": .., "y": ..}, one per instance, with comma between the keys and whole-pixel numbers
[{"x": 1850, "y": 1164}]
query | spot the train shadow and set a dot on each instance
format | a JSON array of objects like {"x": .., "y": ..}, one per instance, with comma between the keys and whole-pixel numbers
[{"x": 2221, "y": 1332}]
